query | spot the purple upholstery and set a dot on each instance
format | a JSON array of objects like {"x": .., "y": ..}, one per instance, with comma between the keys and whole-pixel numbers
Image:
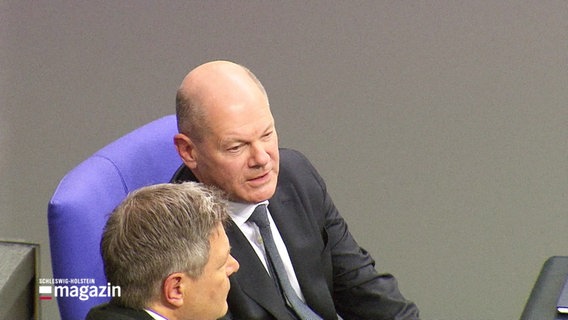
[{"x": 86, "y": 196}]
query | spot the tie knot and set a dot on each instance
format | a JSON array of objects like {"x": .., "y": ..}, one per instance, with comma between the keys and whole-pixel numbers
[{"x": 259, "y": 216}]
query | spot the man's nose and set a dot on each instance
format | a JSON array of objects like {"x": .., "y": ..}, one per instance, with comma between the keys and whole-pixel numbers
[
  {"x": 258, "y": 157},
  {"x": 233, "y": 265}
]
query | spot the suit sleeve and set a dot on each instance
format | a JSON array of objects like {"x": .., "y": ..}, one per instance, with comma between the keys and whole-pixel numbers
[{"x": 359, "y": 291}]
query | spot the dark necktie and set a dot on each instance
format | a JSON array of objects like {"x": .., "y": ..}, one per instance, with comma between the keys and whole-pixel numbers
[{"x": 260, "y": 217}]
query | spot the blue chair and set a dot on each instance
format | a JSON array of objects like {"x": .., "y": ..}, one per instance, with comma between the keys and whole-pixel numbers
[{"x": 87, "y": 195}]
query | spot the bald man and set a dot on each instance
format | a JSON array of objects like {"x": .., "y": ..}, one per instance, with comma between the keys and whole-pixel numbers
[{"x": 227, "y": 138}]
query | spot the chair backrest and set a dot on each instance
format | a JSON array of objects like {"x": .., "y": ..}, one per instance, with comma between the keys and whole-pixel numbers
[{"x": 87, "y": 195}]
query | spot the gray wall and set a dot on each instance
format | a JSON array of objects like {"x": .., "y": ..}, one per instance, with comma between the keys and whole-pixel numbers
[{"x": 440, "y": 127}]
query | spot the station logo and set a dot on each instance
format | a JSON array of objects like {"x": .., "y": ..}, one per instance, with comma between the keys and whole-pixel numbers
[{"x": 79, "y": 288}]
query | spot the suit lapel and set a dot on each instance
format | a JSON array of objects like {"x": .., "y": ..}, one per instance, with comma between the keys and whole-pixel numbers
[
  {"x": 304, "y": 243},
  {"x": 252, "y": 277}
]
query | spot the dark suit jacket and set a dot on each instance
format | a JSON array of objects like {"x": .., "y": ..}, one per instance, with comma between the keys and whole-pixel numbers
[
  {"x": 111, "y": 311},
  {"x": 336, "y": 275}
]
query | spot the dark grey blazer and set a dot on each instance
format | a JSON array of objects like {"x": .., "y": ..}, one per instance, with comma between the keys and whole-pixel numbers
[
  {"x": 335, "y": 274},
  {"x": 111, "y": 311}
]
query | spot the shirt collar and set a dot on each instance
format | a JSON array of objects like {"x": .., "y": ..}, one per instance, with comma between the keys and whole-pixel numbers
[
  {"x": 241, "y": 212},
  {"x": 155, "y": 315}
]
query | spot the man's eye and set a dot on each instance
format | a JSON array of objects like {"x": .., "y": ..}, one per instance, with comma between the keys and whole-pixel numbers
[{"x": 234, "y": 148}]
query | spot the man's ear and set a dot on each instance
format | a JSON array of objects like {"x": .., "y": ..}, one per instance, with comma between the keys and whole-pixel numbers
[
  {"x": 175, "y": 288},
  {"x": 186, "y": 150}
]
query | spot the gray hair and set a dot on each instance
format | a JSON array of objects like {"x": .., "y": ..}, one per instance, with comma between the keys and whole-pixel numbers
[{"x": 156, "y": 231}]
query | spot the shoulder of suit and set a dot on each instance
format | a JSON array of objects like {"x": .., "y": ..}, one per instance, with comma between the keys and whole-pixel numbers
[
  {"x": 291, "y": 157},
  {"x": 113, "y": 311}
]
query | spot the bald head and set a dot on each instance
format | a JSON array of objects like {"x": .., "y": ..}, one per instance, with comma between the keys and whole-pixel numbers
[{"x": 210, "y": 88}]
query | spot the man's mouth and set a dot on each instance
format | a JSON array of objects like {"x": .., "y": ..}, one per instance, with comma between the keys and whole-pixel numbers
[{"x": 260, "y": 178}]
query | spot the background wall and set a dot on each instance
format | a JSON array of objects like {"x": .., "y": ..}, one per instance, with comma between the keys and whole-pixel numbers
[{"x": 440, "y": 127}]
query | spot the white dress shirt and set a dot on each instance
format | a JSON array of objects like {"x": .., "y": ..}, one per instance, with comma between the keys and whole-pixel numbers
[
  {"x": 240, "y": 213},
  {"x": 154, "y": 314}
]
